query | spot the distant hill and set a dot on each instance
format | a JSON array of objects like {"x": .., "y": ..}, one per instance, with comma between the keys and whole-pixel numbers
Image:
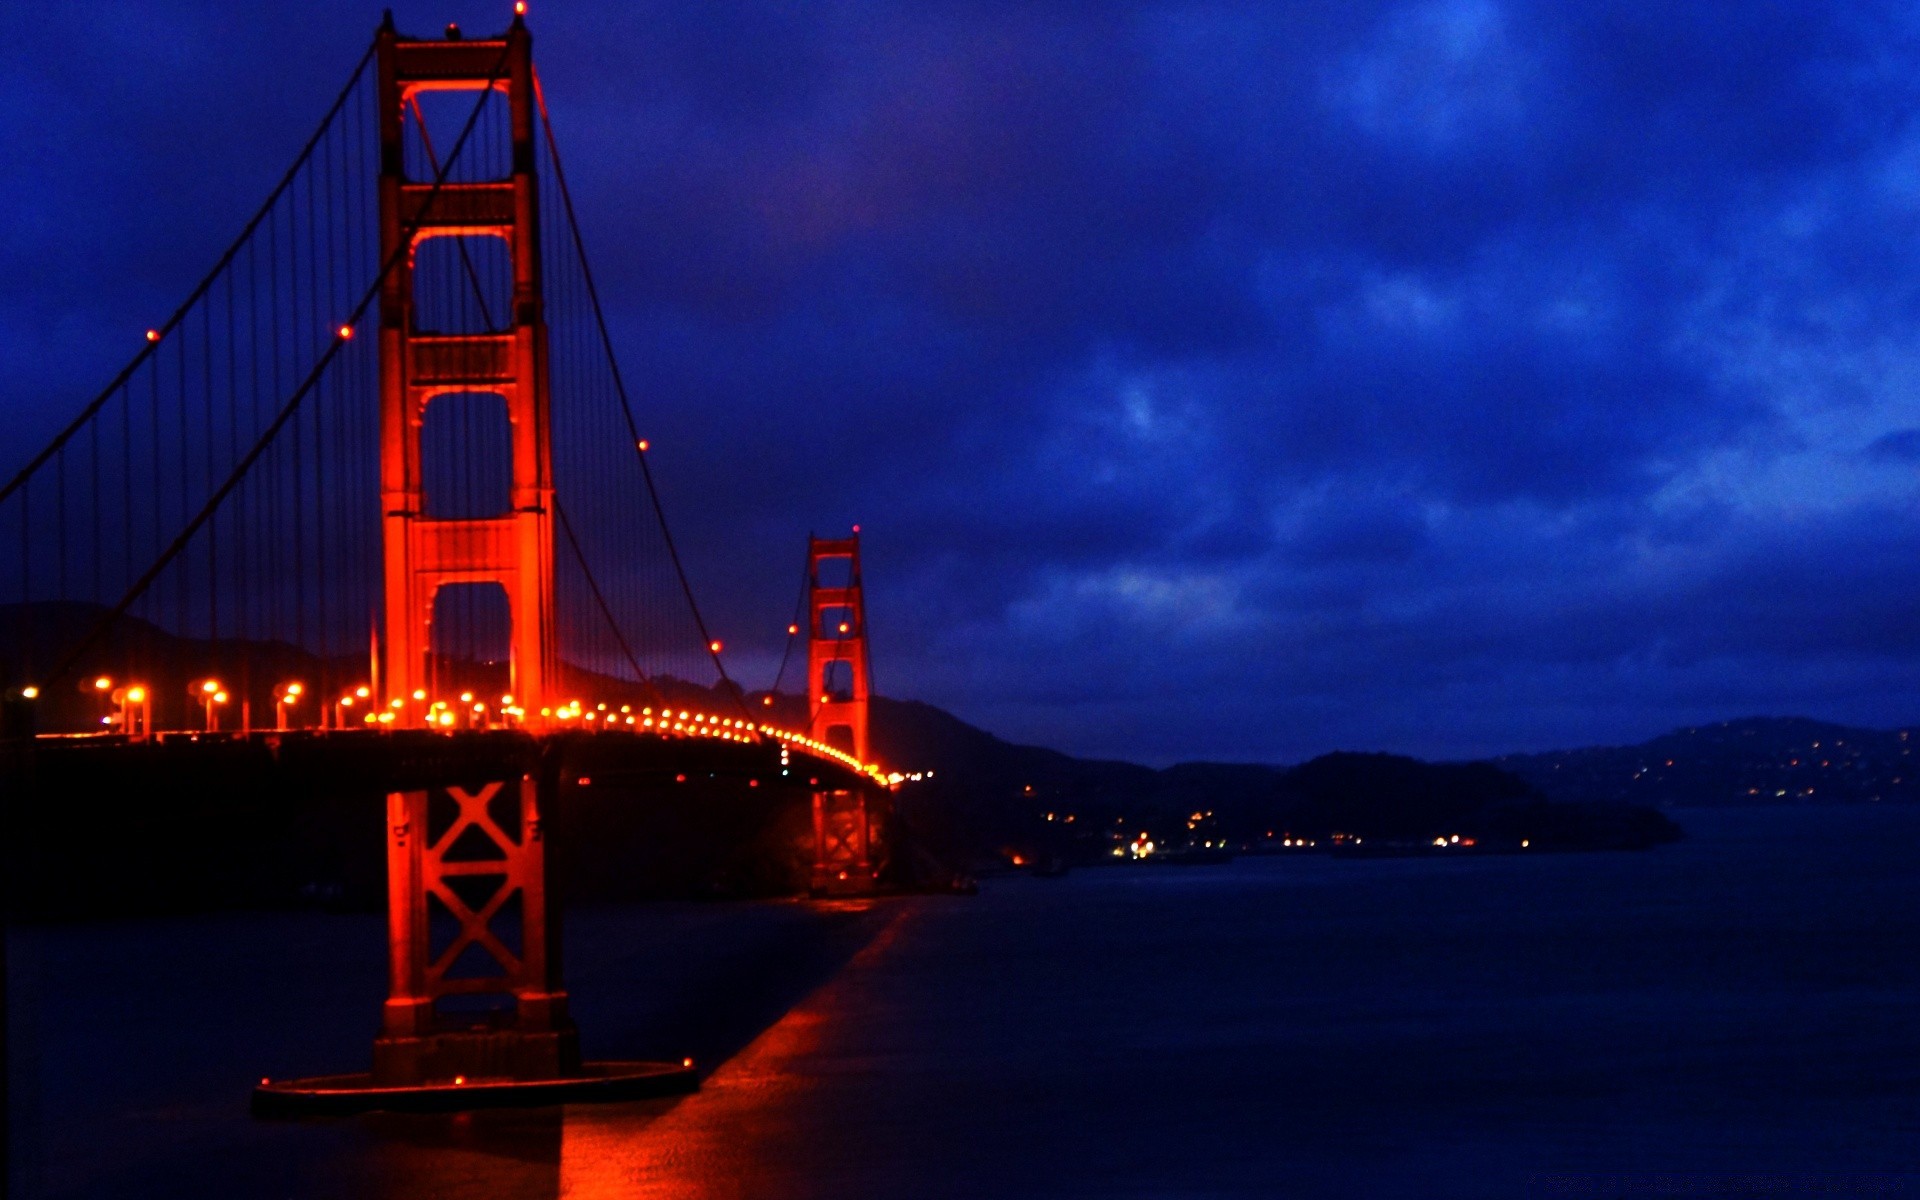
[
  {"x": 1755, "y": 760},
  {"x": 990, "y": 800}
]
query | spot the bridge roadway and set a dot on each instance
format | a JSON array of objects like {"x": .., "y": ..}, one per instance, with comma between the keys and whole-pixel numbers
[
  {"x": 336, "y": 761},
  {"x": 104, "y": 824}
]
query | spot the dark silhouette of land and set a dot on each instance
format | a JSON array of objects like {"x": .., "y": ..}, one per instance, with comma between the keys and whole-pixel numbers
[{"x": 983, "y": 802}]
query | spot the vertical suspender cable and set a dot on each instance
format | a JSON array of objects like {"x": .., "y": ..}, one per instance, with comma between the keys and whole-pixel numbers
[
  {"x": 286, "y": 413},
  {"x": 626, "y": 406}
]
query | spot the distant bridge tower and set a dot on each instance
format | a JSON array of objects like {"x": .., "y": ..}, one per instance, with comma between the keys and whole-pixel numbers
[
  {"x": 418, "y": 366},
  {"x": 838, "y": 690},
  {"x": 837, "y": 648}
]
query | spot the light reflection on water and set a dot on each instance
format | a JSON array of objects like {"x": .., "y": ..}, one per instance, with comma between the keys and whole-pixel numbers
[{"x": 1740, "y": 1002}]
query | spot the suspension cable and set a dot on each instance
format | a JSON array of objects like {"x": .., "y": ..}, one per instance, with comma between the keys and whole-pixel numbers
[
  {"x": 566, "y": 527},
  {"x": 292, "y": 405},
  {"x": 626, "y": 405},
  {"x": 793, "y": 627},
  {"x": 153, "y": 343}
]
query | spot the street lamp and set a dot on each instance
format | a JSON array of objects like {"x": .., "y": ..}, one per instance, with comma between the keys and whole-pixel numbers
[
  {"x": 343, "y": 707},
  {"x": 284, "y": 695},
  {"x": 136, "y": 710},
  {"x": 210, "y": 693},
  {"x": 100, "y": 686}
]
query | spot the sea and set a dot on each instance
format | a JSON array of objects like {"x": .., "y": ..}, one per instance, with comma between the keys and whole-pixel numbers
[{"x": 1736, "y": 1014}]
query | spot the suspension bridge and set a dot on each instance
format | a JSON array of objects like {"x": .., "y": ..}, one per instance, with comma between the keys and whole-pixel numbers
[{"x": 372, "y": 512}]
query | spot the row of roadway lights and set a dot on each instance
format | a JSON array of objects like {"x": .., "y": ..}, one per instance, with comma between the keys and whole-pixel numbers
[
  {"x": 440, "y": 714},
  {"x": 212, "y": 695},
  {"x": 135, "y": 702},
  {"x": 135, "y": 718}
]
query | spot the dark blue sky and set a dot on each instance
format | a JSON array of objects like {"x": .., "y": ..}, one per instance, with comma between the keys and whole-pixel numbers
[{"x": 1210, "y": 380}]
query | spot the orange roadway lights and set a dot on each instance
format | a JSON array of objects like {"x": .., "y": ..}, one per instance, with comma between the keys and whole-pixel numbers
[
  {"x": 419, "y": 693},
  {"x": 102, "y": 683},
  {"x": 362, "y": 692},
  {"x": 29, "y": 692},
  {"x": 641, "y": 445},
  {"x": 135, "y": 694},
  {"x": 345, "y": 332},
  {"x": 792, "y": 630},
  {"x": 714, "y": 646},
  {"x": 153, "y": 335},
  {"x": 466, "y": 697}
]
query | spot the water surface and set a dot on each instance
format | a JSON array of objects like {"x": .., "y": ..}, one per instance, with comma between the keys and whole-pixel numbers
[{"x": 1745, "y": 1004}]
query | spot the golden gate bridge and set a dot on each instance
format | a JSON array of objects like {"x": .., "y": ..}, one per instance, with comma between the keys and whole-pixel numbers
[{"x": 380, "y": 477}]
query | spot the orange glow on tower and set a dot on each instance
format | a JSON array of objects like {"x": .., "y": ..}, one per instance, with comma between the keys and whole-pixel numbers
[
  {"x": 418, "y": 366},
  {"x": 837, "y": 648},
  {"x": 837, "y": 674}
]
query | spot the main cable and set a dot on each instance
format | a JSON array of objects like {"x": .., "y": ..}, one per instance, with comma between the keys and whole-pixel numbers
[
  {"x": 626, "y": 405},
  {"x": 292, "y": 405},
  {"x": 153, "y": 342}
]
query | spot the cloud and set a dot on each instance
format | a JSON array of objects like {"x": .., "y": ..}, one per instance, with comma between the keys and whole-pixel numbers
[{"x": 1211, "y": 379}]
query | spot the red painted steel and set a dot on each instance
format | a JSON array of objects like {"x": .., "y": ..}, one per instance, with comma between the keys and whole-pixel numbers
[
  {"x": 838, "y": 693},
  {"x": 514, "y": 550},
  {"x": 496, "y": 838},
  {"x": 837, "y": 634},
  {"x": 482, "y": 850}
]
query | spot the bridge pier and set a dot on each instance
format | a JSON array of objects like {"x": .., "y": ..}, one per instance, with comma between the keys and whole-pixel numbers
[
  {"x": 844, "y": 862},
  {"x": 469, "y": 916},
  {"x": 476, "y": 859}
]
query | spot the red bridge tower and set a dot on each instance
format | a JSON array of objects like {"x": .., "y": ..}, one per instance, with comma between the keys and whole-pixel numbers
[
  {"x": 838, "y": 686},
  {"x": 418, "y": 366}
]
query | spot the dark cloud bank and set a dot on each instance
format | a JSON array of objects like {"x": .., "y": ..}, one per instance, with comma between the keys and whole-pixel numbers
[{"x": 1224, "y": 381}]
